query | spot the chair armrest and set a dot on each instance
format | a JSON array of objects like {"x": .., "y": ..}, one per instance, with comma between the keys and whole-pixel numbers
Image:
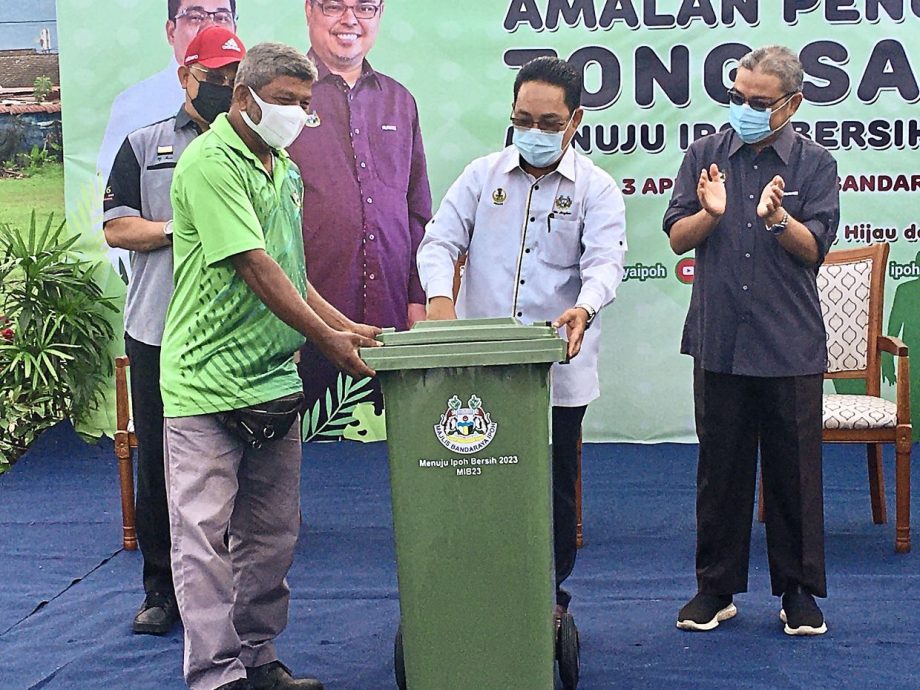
[
  {"x": 896, "y": 347},
  {"x": 892, "y": 345}
]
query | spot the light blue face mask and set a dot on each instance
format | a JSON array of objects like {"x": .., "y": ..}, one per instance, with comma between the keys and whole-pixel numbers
[
  {"x": 753, "y": 125},
  {"x": 540, "y": 149}
]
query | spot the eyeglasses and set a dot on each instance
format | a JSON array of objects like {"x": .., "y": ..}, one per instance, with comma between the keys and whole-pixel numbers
[
  {"x": 550, "y": 125},
  {"x": 361, "y": 10},
  {"x": 757, "y": 104},
  {"x": 196, "y": 16},
  {"x": 215, "y": 78}
]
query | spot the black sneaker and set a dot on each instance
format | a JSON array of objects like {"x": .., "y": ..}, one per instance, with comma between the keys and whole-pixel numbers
[
  {"x": 705, "y": 612},
  {"x": 157, "y": 615},
  {"x": 276, "y": 676},
  {"x": 801, "y": 614}
]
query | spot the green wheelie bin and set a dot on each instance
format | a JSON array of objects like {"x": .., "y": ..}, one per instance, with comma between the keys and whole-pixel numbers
[{"x": 468, "y": 434}]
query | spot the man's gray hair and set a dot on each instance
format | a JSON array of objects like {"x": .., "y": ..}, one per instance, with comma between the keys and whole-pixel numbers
[
  {"x": 265, "y": 62},
  {"x": 779, "y": 61}
]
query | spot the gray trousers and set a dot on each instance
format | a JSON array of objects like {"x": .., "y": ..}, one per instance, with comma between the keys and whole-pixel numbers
[{"x": 234, "y": 516}]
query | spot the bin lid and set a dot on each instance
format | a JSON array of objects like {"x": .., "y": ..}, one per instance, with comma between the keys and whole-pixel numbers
[{"x": 466, "y": 343}]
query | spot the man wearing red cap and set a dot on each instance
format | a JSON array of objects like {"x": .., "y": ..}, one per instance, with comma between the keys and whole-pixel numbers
[
  {"x": 138, "y": 218},
  {"x": 159, "y": 96}
]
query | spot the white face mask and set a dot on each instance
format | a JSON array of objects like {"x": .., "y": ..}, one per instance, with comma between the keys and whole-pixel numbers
[{"x": 280, "y": 124}]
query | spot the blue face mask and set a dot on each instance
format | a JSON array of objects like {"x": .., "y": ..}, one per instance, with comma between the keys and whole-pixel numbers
[
  {"x": 753, "y": 125},
  {"x": 540, "y": 149}
]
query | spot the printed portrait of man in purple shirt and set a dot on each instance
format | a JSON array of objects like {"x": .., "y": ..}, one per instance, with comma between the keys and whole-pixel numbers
[{"x": 366, "y": 196}]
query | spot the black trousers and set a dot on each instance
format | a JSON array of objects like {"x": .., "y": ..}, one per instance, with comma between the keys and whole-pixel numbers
[
  {"x": 151, "y": 514},
  {"x": 735, "y": 415},
  {"x": 566, "y": 431}
]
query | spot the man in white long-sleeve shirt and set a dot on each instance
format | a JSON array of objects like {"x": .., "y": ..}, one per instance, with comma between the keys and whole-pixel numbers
[{"x": 544, "y": 231}]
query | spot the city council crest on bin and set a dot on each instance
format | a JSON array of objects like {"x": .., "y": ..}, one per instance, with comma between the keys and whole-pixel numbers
[{"x": 465, "y": 429}]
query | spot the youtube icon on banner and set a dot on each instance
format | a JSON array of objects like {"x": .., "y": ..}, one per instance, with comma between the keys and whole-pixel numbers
[{"x": 684, "y": 270}]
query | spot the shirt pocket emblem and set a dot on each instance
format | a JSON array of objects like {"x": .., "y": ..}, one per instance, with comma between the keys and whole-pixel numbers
[
  {"x": 563, "y": 205},
  {"x": 499, "y": 197}
]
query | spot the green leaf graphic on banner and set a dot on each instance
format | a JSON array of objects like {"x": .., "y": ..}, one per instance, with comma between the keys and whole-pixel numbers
[
  {"x": 368, "y": 425},
  {"x": 339, "y": 409}
]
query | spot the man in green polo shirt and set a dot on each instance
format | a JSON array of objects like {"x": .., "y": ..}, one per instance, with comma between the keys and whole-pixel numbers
[{"x": 242, "y": 307}]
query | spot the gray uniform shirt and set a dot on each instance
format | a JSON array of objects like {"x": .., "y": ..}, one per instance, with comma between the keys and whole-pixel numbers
[{"x": 139, "y": 187}]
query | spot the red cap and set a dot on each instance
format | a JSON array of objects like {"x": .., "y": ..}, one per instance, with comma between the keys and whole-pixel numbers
[{"x": 214, "y": 47}]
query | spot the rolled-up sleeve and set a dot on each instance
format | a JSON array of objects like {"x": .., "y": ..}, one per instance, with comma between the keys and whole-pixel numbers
[
  {"x": 821, "y": 206},
  {"x": 684, "y": 200},
  {"x": 448, "y": 233},
  {"x": 603, "y": 246}
]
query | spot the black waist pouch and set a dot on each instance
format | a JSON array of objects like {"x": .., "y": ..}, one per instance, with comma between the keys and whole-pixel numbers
[{"x": 263, "y": 422}]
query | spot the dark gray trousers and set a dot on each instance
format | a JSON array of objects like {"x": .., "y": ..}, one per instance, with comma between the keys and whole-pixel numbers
[
  {"x": 566, "y": 432},
  {"x": 151, "y": 514},
  {"x": 782, "y": 416}
]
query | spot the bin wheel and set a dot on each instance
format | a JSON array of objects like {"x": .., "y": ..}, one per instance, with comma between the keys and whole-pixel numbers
[
  {"x": 567, "y": 648},
  {"x": 399, "y": 663}
]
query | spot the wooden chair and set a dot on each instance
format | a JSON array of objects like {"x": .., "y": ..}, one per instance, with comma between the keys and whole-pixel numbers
[
  {"x": 851, "y": 286},
  {"x": 125, "y": 441}
]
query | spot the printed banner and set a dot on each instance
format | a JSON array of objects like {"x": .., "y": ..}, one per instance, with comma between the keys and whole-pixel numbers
[{"x": 656, "y": 74}]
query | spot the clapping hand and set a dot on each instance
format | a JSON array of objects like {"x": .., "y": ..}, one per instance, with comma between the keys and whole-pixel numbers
[
  {"x": 771, "y": 199},
  {"x": 711, "y": 191}
]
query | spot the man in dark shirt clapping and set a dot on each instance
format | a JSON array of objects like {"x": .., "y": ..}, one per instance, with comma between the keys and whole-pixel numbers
[{"x": 759, "y": 204}]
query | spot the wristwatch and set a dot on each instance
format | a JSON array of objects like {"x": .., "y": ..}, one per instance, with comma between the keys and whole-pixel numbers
[
  {"x": 590, "y": 311},
  {"x": 779, "y": 228},
  {"x": 167, "y": 230}
]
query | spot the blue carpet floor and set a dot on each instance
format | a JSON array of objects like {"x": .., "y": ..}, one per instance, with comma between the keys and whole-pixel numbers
[{"x": 68, "y": 592}]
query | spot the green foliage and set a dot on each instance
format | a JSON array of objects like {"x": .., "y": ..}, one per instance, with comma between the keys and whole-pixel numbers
[
  {"x": 16, "y": 163},
  {"x": 41, "y": 88},
  {"x": 53, "y": 337}
]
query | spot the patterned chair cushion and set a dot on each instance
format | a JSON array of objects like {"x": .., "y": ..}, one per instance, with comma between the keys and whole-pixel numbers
[
  {"x": 844, "y": 294},
  {"x": 859, "y": 412}
]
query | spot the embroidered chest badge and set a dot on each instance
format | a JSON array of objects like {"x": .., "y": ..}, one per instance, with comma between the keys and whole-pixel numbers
[
  {"x": 164, "y": 152},
  {"x": 563, "y": 205},
  {"x": 313, "y": 120},
  {"x": 499, "y": 197}
]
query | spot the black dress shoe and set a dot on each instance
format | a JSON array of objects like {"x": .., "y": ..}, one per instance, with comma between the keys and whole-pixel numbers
[
  {"x": 276, "y": 676},
  {"x": 157, "y": 615}
]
